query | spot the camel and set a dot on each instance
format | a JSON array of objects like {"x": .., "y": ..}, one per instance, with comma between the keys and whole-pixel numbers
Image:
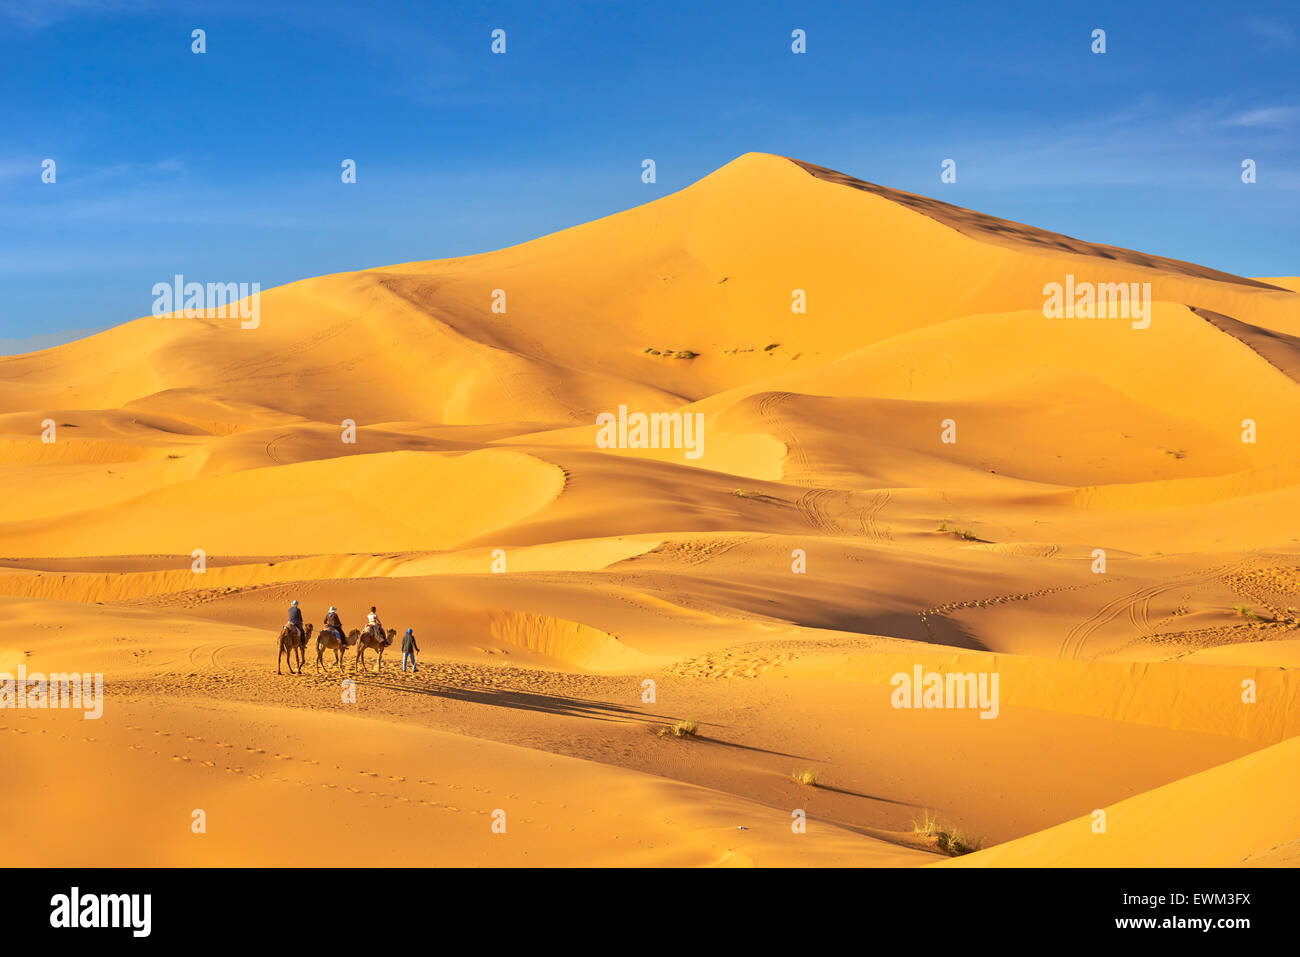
[
  {"x": 288, "y": 646},
  {"x": 368, "y": 639},
  {"x": 329, "y": 638}
]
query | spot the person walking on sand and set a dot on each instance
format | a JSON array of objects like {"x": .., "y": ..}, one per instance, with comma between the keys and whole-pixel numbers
[{"x": 409, "y": 648}]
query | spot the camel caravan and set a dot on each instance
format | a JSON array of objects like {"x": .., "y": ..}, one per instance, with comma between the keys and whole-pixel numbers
[{"x": 294, "y": 637}]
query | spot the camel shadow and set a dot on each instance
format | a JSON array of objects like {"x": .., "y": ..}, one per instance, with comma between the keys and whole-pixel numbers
[{"x": 560, "y": 706}]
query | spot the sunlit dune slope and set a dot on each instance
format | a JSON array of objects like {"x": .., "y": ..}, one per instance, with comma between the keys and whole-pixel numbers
[
  {"x": 246, "y": 765},
  {"x": 712, "y": 269},
  {"x": 373, "y": 502}
]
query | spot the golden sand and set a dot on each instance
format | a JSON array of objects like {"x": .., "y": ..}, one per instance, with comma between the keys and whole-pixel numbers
[{"x": 548, "y": 578}]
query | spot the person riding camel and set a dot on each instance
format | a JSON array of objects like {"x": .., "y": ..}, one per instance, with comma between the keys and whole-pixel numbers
[
  {"x": 374, "y": 626},
  {"x": 332, "y": 621},
  {"x": 295, "y": 617}
]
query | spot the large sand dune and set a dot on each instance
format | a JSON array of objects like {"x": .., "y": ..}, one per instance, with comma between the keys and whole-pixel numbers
[{"x": 820, "y": 539}]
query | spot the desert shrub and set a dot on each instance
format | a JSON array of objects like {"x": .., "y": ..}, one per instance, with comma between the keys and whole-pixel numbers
[
  {"x": 949, "y": 840},
  {"x": 687, "y": 728}
]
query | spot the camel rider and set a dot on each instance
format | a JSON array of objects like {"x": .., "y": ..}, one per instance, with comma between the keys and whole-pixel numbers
[
  {"x": 295, "y": 616},
  {"x": 374, "y": 624},
  {"x": 332, "y": 621}
]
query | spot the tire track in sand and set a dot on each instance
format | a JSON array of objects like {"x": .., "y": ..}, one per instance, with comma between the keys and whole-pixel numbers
[
  {"x": 1137, "y": 606},
  {"x": 867, "y": 518}
]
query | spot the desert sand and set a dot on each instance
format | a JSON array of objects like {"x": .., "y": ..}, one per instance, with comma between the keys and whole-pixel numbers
[{"x": 548, "y": 578}]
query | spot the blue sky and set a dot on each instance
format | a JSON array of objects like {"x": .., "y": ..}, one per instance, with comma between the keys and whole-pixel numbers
[{"x": 225, "y": 166}]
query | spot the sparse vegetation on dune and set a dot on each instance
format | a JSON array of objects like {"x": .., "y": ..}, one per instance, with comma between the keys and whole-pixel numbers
[
  {"x": 948, "y": 840},
  {"x": 1245, "y": 611},
  {"x": 687, "y": 728},
  {"x": 671, "y": 353},
  {"x": 963, "y": 533},
  {"x": 809, "y": 777}
]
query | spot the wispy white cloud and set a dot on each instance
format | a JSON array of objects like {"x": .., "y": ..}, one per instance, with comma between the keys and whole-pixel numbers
[
  {"x": 39, "y": 14},
  {"x": 69, "y": 173},
  {"x": 17, "y": 168},
  {"x": 1276, "y": 116},
  {"x": 1274, "y": 33},
  {"x": 1149, "y": 144}
]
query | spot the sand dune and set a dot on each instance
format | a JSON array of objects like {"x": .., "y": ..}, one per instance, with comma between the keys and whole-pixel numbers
[
  {"x": 1178, "y": 825},
  {"x": 1110, "y": 532}
]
